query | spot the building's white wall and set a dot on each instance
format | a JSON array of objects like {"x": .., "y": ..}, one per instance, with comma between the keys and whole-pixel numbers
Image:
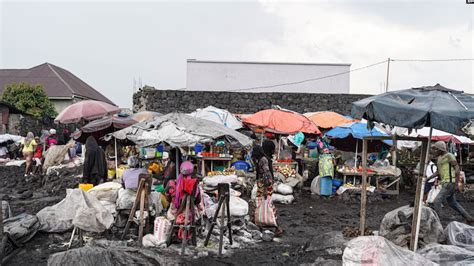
[
  {"x": 222, "y": 76},
  {"x": 61, "y": 104}
]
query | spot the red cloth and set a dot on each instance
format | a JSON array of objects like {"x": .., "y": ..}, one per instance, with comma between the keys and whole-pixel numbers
[{"x": 38, "y": 152}]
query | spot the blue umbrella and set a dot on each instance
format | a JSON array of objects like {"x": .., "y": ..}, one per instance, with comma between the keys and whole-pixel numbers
[{"x": 344, "y": 137}]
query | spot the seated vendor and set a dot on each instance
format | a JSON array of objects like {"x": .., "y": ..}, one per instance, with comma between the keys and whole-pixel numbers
[{"x": 131, "y": 176}]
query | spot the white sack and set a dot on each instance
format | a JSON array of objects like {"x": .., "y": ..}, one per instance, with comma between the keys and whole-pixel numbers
[
  {"x": 376, "y": 250},
  {"x": 79, "y": 209},
  {"x": 284, "y": 189},
  {"x": 106, "y": 192},
  {"x": 285, "y": 199}
]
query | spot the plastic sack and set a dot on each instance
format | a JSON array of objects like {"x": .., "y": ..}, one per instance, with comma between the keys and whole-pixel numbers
[
  {"x": 265, "y": 212},
  {"x": 284, "y": 189},
  {"x": 238, "y": 207},
  {"x": 376, "y": 250},
  {"x": 447, "y": 254},
  {"x": 161, "y": 228},
  {"x": 315, "y": 189},
  {"x": 253, "y": 194},
  {"x": 21, "y": 227},
  {"x": 151, "y": 241},
  {"x": 106, "y": 192},
  {"x": 79, "y": 209},
  {"x": 110, "y": 253},
  {"x": 6, "y": 211},
  {"x": 285, "y": 199},
  {"x": 125, "y": 199},
  {"x": 396, "y": 227},
  {"x": 461, "y": 235},
  {"x": 213, "y": 181},
  {"x": 110, "y": 206},
  {"x": 433, "y": 193}
]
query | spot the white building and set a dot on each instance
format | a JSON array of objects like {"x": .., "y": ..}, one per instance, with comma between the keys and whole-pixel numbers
[{"x": 267, "y": 77}]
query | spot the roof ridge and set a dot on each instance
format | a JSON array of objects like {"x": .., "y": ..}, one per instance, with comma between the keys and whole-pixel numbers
[
  {"x": 82, "y": 81},
  {"x": 59, "y": 76}
]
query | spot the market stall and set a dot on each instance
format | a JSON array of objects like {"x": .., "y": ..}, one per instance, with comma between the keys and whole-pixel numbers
[
  {"x": 281, "y": 123},
  {"x": 436, "y": 107}
]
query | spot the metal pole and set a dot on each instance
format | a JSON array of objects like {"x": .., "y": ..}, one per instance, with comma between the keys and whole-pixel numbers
[
  {"x": 388, "y": 73},
  {"x": 355, "y": 158},
  {"x": 363, "y": 193},
  {"x": 419, "y": 194}
]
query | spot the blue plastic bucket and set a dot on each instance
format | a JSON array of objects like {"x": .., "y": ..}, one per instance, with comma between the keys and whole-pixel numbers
[
  {"x": 198, "y": 148},
  {"x": 337, "y": 183},
  {"x": 325, "y": 184},
  {"x": 160, "y": 148},
  {"x": 241, "y": 165}
]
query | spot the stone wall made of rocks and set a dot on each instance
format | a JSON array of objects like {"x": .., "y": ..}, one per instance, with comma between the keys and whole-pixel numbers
[{"x": 167, "y": 101}]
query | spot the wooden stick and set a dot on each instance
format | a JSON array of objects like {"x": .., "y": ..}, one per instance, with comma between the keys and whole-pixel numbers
[
  {"x": 186, "y": 226},
  {"x": 363, "y": 194},
  {"x": 142, "y": 209},
  {"x": 221, "y": 237},
  {"x": 419, "y": 194}
]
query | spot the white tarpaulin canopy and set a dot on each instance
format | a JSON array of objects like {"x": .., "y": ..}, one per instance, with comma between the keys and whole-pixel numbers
[
  {"x": 179, "y": 130},
  {"x": 219, "y": 116},
  {"x": 424, "y": 132},
  {"x": 12, "y": 138}
]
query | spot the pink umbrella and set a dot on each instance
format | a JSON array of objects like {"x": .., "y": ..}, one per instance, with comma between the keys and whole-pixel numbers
[{"x": 87, "y": 110}]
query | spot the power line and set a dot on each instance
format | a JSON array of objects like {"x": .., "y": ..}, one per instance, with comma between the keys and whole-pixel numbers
[
  {"x": 433, "y": 60},
  {"x": 352, "y": 70},
  {"x": 312, "y": 79}
]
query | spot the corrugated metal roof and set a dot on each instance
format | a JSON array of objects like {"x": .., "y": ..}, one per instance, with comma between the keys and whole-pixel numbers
[{"x": 57, "y": 82}]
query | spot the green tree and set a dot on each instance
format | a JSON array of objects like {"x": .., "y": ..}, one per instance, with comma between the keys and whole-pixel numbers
[{"x": 30, "y": 99}]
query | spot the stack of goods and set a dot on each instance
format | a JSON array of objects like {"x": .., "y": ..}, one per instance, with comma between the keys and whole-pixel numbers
[{"x": 286, "y": 179}]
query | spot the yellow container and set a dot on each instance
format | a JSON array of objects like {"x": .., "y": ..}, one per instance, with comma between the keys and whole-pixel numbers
[
  {"x": 111, "y": 173},
  {"x": 86, "y": 187}
]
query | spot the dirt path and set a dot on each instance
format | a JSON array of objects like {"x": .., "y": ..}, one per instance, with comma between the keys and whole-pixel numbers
[{"x": 307, "y": 217}]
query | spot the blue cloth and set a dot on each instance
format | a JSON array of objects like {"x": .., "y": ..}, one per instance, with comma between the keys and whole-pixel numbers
[{"x": 357, "y": 130}]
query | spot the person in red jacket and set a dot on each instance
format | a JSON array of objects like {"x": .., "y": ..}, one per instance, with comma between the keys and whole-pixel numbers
[{"x": 38, "y": 156}]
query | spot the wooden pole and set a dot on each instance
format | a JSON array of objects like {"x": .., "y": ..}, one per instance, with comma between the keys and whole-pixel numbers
[
  {"x": 116, "y": 158},
  {"x": 415, "y": 226},
  {"x": 388, "y": 74},
  {"x": 363, "y": 193}
]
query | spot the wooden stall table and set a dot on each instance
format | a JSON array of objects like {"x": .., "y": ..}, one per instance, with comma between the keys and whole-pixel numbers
[
  {"x": 377, "y": 176},
  {"x": 204, "y": 159}
]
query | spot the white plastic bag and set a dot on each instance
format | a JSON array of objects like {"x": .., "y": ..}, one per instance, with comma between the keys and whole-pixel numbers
[
  {"x": 213, "y": 181},
  {"x": 315, "y": 189},
  {"x": 376, "y": 250},
  {"x": 433, "y": 193},
  {"x": 77, "y": 209},
  {"x": 161, "y": 229},
  {"x": 126, "y": 198},
  {"x": 106, "y": 192},
  {"x": 447, "y": 254},
  {"x": 461, "y": 235},
  {"x": 284, "y": 189},
  {"x": 285, "y": 199},
  {"x": 254, "y": 192}
]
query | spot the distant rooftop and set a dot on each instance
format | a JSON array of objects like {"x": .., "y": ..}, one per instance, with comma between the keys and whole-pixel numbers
[
  {"x": 57, "y": 82},
  {"x": 265, "y": 63}
]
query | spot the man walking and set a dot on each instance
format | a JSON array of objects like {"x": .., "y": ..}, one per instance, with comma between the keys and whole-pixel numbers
[{"x": 448, "y": 171}]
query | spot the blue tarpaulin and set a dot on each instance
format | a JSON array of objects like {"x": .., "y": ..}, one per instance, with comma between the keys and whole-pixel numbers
[{"x": 357, "y": 130}]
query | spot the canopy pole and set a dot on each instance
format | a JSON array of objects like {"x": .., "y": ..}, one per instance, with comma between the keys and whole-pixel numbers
[
  {"x": 357, "y": 148},
  {"x": 177, "y": 162},
  {"x": 388, "y": 74},
  {"x": 116, "y": 159},
  {"x": 420, "y": 186},
  {"x": 363, "y": 193}
]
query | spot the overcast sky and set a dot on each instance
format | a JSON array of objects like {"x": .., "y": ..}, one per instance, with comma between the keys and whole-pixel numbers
[{"x": 108, "y": 44}]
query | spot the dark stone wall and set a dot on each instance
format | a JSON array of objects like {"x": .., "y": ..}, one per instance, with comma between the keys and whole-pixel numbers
[
  {"x": 21, "y": 124},
  {"x": 167, "y": 101}
]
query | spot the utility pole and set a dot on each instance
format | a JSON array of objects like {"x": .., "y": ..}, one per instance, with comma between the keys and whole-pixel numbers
[{"x": 388, "y": 73}]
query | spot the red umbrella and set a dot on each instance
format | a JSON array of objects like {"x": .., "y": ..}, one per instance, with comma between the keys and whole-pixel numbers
[
  {"x": 87, "y": 110},
  {"x": 282, "y": 122}
]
